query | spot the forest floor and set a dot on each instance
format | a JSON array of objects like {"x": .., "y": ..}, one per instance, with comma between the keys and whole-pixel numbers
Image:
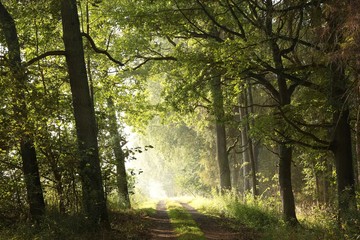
[{"x": 161, "y": 227}]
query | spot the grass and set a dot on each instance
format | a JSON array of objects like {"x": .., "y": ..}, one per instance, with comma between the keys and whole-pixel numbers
[
  {"x": 184, "y": 226},
  {"x": 124, "y": 224},
  {"x": 260, "y": 215}
]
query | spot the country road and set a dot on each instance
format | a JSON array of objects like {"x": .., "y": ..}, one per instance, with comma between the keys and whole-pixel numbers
[{"x": 212, "y": 227}]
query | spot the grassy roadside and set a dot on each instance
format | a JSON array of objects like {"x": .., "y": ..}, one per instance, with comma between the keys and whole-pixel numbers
[
  {"x": 261, "y": 216},
  {"x": 182, "y": 222},
  {"x": 125, "y": 224}
]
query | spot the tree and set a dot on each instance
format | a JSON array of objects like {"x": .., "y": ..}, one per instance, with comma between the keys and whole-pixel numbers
[
  {"x": 341, "y": 143},
  {"x": 120, "y": 156},
  {"x": 93, "y": 194},
  {"x": 221, "y": 149},
  {"x": 27, "y": 148}
]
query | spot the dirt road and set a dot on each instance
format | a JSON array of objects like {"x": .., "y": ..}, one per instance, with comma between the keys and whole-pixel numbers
[
  {"x": 213, "y": 228},
  {"x": 160, "y": 224}
]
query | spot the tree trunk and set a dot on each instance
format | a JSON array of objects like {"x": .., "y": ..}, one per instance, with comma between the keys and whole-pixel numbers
[
  {"x": 94, "y": 202},
  {"x": 245, "y": 151},
  {"x": 285, "y": 151},
  {"x": 287, "y": 196},
  {"x": 222, "y": 157},
  {"x": 342, "y": 149},
  {"x": 341, "y": 136},
  {"x": 248, "y": 108},
  {"x": 122, "y": 182},
  {"x": 27, "y": 150},
  {"x": 357, "y": 130}
]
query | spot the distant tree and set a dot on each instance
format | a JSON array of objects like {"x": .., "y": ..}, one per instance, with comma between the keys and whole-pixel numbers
[{"x": 118, "y": 143}]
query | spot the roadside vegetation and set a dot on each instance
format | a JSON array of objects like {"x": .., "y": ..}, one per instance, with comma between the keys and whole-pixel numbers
[
  {"x": 262, "y": 216},
  {"x": 125, "y": 224}
]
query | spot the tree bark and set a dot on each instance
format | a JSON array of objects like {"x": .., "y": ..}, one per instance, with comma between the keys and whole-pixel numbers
[
  {"x": 357, "y": 132},
  {"x": 341, "y": 145},
  {"x": 248, "y": 108},
  {"x": 287, "y": 196},
  {"x": 27, "y": 150},
  {"x": 221, "y": 149},
  {"x": 122, "y": 182},
  {"x": 342, "y": 150},
  {"x": 285, "y": 150},
  {"x": 94, "y": 203},
  {"x": 245, "y": 151}
]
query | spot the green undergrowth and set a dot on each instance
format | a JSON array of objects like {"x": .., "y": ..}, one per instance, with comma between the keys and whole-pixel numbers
[
  {"x": 55, "y": 226},
  {"x": 184, "y": 226},
  {"x": 261, "y": 216},
  {"x": 147, "y": 207}
]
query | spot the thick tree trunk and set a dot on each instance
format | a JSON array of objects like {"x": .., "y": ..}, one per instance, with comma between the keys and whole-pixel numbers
[
  {"x": 225, "y": 181},
  {"x": 94, "y": 202},
  {"x": 32, "y": 179},
  {"x": 27, "y": 150},
  {"x": 342, "y": 149},
  {"x": 221, "y": 149},
  {"x": 287, "y": 196},
  {"x": 341, "y": 136},
  {"x": 122, "y": 182}
]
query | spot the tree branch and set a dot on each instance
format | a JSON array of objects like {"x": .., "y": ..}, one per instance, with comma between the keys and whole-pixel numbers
[
  {"x": 147, "y": 59},
  {"x": 305, "y": 133},
  {"x": 44, "y": 55},
  {"x": 233, "y": 145},
  {"x": 101, "y": 51},
  {"x": 264, "y": 82},
  {"x": 241, "y": 35}
]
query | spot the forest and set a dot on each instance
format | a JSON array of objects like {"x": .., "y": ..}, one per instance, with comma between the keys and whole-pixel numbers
[{"x": 236, "y": 115}]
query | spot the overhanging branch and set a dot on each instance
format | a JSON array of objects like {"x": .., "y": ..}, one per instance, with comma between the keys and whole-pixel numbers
[
  {"x": 44, "y": 55},
  {"x": 101, "y": 51},
  {"x": 147, "y": 59}
]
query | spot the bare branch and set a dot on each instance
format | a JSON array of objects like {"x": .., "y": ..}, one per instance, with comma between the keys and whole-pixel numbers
[
  {"x": 203, "y": 33},
  {"x": 147, "y": 59},
  {"x": 44, "y": 55},
  {"x": 211, "y": 17},
  {"x": 233, "y": 145},
  {"x": 305, "y": 133},
  {"x": 264, "y": 82},
  {"x": 101, "y": 51}
]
